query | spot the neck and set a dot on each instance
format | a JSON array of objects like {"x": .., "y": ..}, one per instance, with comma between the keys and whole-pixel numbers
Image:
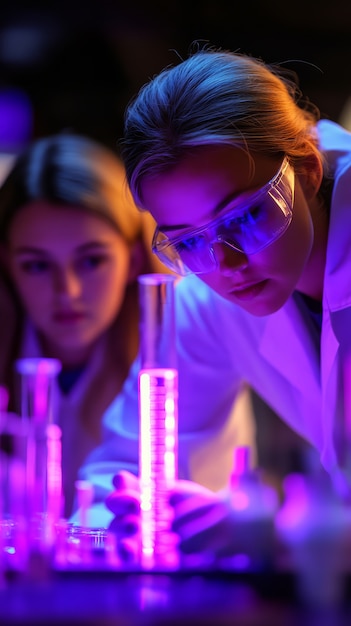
[{"x": 70, "y": 359}]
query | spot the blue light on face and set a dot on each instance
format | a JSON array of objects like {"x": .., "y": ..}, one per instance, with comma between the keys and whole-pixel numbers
[{"x": 249, "y": 224}]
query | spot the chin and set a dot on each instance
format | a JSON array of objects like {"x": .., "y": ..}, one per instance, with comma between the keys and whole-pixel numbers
[{"x": 260, "y": 308}]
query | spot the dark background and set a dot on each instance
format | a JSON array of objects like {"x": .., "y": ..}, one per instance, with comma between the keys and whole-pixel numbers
[{"x": 80, "y": 63}]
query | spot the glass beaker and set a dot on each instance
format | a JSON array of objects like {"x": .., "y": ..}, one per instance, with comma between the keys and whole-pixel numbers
[{"x": 158, "y": 419}]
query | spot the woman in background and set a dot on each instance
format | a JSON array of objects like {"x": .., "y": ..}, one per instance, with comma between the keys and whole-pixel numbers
[{"x": 72, "y": 246}]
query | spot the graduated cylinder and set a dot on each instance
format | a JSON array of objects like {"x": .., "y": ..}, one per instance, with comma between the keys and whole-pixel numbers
[
  {"x": 38, "y": 393},
  {"x": 158, "y": 419}
]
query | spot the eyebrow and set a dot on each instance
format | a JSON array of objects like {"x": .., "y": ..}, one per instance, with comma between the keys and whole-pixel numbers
[{"x": 222, "y": 205}]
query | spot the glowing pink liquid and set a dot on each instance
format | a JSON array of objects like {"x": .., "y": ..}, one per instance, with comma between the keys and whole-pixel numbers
[{"x": 158, "y": 403}]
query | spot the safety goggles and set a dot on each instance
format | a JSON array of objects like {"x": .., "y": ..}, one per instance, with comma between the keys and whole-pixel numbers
[{"x": 248, "y": 226}]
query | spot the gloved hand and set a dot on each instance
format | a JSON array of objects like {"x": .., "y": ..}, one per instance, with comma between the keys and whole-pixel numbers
[
  {"x": 222, "y": 524},
  {"x": 124, "y": 502}
]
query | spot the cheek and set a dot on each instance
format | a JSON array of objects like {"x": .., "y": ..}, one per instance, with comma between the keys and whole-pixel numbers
[
  {"x": 107, "y": 292},
  {"x": 296, "y": 244},
  {"x": 31, "y": 293},
  {"x": 212, "y": 280}
]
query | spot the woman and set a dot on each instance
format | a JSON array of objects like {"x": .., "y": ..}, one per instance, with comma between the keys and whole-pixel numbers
[
  {"x": 72, "y": 248},
  {"x": 251, "y": 194}
]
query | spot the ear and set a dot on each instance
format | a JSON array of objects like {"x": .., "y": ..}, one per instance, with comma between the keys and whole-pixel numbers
[{"x": 311, "y": 176}]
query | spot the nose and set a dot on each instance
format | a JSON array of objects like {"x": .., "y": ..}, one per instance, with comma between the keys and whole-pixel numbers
[
  {"x": 67, "y": 283},
  {"x": 229, "y": 259}
]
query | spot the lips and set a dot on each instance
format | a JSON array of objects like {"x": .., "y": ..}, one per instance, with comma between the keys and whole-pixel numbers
[
  {"x": 67, "y": 317},
  {"x": 248, "y": 291}
]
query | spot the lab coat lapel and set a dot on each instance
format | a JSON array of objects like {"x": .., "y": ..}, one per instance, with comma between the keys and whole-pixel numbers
[
  {"x": 330, "y": 343},
  {"x": 292, "y": 358},
  {"x": 336, "y": 414},
  {"x": 336, "y": 337}
]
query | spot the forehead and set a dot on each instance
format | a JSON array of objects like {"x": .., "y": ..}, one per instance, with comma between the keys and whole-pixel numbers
[
  {"x": 43, "y": 222},
  {"x": 189, "y": 193}
]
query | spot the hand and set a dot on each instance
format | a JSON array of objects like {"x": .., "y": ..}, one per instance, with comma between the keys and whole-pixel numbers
[
  {"x": 124, "y": 502},
  {"x": 209, "y": 523},
  {"x": 201, "y": 519}
]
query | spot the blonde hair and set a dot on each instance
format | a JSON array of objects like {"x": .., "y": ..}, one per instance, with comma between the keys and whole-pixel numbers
[
  {"x": 73, "y": 170},
  {"x": 216, "y": 97}
]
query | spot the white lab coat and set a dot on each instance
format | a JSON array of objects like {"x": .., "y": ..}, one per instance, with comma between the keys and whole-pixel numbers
[{"x": 281, "y": 356}]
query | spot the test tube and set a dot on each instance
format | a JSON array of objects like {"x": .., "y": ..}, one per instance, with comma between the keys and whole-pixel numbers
[
  {"x": 43, "y": 473},
  {"x": 158, "y": 420}
]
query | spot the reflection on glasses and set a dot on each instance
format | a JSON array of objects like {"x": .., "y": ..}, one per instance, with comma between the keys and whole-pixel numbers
[{"x": 248, "y": 226}]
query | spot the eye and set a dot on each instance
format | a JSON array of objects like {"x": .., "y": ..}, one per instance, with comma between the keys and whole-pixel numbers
[
  {"x": 186, "y": 244},
  {"x": 34, "y": 266},
  {"x": 190, "y": 244},
  {"x": 248, "y": 218},
  {"x": 91, "y": 262}
]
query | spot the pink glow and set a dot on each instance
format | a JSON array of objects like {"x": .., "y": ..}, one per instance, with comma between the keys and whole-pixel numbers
[
  {"x": 54, "y": 473},
  {"x": 41, "y": 391},
  {"x": 37, "y": 388},
  {"x": 347, "y": 397},
  {"x": 240, "y": 500},
  {"x": 43, "y": 468},
  {"x": 241, "y": 460},
  {"x": 4, "y": 398}
]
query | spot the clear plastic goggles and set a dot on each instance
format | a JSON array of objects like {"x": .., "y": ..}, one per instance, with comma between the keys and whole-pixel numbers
[{"x": 247, "y": 226}]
